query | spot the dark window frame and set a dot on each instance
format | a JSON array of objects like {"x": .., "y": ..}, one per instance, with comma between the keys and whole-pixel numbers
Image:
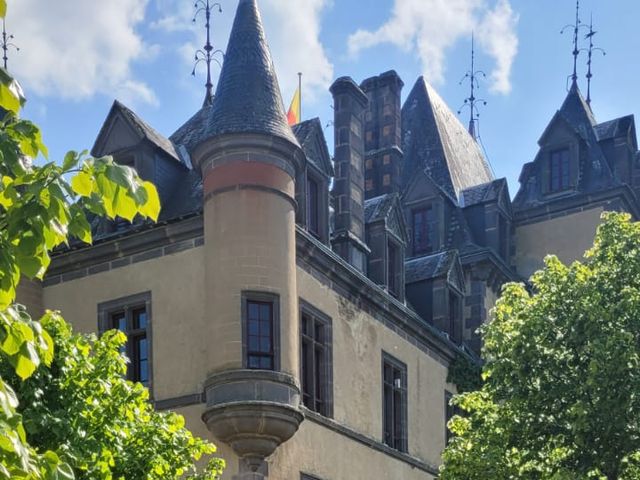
[
  {"x": 398, "y": 438},
  {"x": 263, "y": 298},
  {"x": 455, "y": 321},
  {"x": 324, "y": 381},
  {"x": 394, "y": 267},
  {"x": 559, "y": 170},
  {"x": 428, "y": 229},
  {"x": 449, "y": 413},
  {"x": 127, "y": 306}
]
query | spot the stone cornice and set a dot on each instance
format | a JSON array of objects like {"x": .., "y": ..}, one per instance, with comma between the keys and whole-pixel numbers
[{"x": 568, "y": 205}]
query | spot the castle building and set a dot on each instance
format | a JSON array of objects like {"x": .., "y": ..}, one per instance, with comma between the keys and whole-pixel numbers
[{"x": 302, "y": 309}]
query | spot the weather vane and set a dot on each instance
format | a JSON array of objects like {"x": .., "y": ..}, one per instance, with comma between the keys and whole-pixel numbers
[
  {"x": 576, "y": 50},
  {"x": 6, "y": 44},
  {"x": 207, "y": 54},
  {"x": 472, "y": 102},
  {"x": 592, "y": 48}
]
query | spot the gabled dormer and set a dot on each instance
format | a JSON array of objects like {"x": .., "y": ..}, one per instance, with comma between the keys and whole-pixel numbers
[
  {"x": 435, "y": 289},
  {"x": 312, "y": 184},
  {"x": 386, "y": 236},
  {"x": 489, "y": 214},
  {"x": 570, "y": 160},
  {"x": 133, "y": 142}
]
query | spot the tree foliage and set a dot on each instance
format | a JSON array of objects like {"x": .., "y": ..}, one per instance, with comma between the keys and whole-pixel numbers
[
  {"x": 82, "y": 407},
  {"x": 561, "y": 398},
  {"x": 69, "y": 413}
]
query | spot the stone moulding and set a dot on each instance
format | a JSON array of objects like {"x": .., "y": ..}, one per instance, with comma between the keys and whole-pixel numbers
[{"x": 253, "y": 411}]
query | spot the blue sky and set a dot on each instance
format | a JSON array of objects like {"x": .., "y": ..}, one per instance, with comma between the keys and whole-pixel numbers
[{"x": 77, "y": 56}]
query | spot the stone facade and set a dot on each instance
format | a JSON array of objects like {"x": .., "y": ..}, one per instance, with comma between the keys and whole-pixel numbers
[{"x": 274, "y": 303}]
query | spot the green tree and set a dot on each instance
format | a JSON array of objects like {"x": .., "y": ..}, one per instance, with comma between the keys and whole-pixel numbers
[
  {"x": 41, "y": 208},
  {"x": 561, "y": 398},
  {"x": 82, "y": 407}
]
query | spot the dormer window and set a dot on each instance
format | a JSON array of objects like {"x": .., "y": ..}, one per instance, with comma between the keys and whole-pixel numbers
[
  {"x": 423, "y": 230},
  {"x": 559, "y": 170},
  {"x": 393, "y": 265},
  {"x": 313, "y": 207}
]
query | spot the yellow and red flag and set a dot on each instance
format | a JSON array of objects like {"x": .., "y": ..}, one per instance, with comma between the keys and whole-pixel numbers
[{"x": 294, "y": 114}]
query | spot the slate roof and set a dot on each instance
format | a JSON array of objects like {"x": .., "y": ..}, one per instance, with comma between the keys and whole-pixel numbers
[
  {"x": 190, "y": 134},
  {"x": 614, "y": 128},
  {"x": 377, "y": 208},
  {"x": 311, "y": 137},
  {"x": 430, "y": 267},
  {"x": 435, "y": 140},
  {"x": 487, "y": 192},
  {"x": 248, "y": 98},
  {"x": 594, "y": 170},
  {"x": 145, "y": 130}
]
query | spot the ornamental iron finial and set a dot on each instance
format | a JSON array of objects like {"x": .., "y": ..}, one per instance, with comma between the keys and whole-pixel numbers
[
  {"x": 472, "y": 101},
  {"x": 207, "y": 54},
  {"x": 590, "y": 51},
  {"x": 7, "y": 44},
  {"x": 576, "y": 47}
]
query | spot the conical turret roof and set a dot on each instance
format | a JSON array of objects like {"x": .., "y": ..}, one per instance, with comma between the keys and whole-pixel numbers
[{"x": 248, "y": 98}]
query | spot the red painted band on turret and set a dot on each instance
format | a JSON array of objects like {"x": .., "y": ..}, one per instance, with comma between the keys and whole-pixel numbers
[{"x": 248, "y": 173}]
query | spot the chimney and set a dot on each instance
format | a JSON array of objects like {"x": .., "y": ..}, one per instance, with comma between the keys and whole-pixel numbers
[
  {"x": 348, "y": 239},
  {"x": 383, "y": 134}
]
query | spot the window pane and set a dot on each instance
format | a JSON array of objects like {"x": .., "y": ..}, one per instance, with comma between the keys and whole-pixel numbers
[
  {"x": 119, "y": 321},
  {"x": 143, "y": 373},
  {"x": 254, "y": 362},
  {"x": 266, "y": 363},
  {"x": 139, "y": 319},
  {"x": 253, "y": 343},
  {"x": 253, "y": 310},
  {"x": 254, "y": 328}
]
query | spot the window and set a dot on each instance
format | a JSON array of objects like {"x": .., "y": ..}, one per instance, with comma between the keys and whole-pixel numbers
[
  {"x": 316, "y": 364},
  {"x": 386, "y": 131},
  {"x": 313, "y": 206},
  {"x": 455, "y": 316},
  {"x": 394, "y": 412},
  {"x": 369, "y": 136},
  {"x": 449, "y": 413},
  {"x": 386, "y": 180},
  {"x": 392, "y": 267},
  {"x": 368, "y": 164},
  {"x": 424, "y": 230},
  {"x": 386, "y": 159},
  {"x": 503, "y": 237},
  {"x": 387, "y": 110},
  {"x": 559, "y": 170},
  {"x": 131, "y": 315},
  {"x": 368, "y": 185},
  {"x": 260, "y": 332}
]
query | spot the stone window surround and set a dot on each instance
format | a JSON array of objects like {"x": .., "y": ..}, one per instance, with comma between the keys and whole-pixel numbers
[
  {"x": 306, "y": 476},
  {"x": 388, "y": 359},
  {"x": 438, "y": 214},
  {"x": 545, "y": 165},
  {"x": 127, "y": 303},
  {"x": 256, "y": 296},
  {"x": 306, "y": 307}
]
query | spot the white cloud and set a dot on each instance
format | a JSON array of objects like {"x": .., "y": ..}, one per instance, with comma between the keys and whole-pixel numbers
[
  {"x": 497, "y": 35},
  {"x": 292, "y": 29},
  {"x": 431, "y": 27},
  {"x": 75, "y": 49}
]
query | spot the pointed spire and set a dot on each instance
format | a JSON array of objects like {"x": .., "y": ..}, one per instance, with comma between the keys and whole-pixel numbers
[
  {"x": 472, "y": 102},
  {"x": 592, "y": 48},
  {"x": 207, "y": 54},
  {"x": 248, "y": 96},
  {"x": 6, "y": 44}
]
